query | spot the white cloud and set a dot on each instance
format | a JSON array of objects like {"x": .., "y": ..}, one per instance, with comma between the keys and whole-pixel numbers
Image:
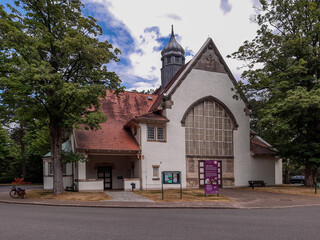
[{"x": 194, "y": 22}]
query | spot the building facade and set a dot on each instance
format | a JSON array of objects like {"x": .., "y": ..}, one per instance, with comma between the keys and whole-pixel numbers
[{"x": 191, "y": 118}]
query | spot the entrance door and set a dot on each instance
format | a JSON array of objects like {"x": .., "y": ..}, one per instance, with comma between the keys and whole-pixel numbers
[
  {"x": 105, "y": 173},
  {"x": 201, "y": 174}
]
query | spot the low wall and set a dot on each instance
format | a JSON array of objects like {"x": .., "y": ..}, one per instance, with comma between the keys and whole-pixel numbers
[
  {"x": 128, "y": 181},
  {"x": 89, "y": 185}
]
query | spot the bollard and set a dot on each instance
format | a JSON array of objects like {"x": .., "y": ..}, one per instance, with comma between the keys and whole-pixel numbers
[{"x": 133, "y": 185}]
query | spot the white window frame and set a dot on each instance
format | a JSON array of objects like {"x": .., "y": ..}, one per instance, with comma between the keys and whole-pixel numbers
[
  {"x": 156, "y": 133},
  {"x": 156, "y": 172},
  {"x": 163, "y": 134},
  {"x": 149, "y": 135}
]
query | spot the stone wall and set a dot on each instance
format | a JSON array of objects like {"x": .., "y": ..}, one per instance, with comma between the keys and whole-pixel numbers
[{"x": 192, "y": 170}]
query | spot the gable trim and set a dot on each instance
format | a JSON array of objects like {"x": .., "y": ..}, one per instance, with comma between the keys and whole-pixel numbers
[
  {"x": 213, "y": 99},
  {"x": 192, "y": 64}
]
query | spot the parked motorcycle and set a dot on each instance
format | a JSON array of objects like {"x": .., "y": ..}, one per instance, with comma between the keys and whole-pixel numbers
[{"x": 17, "y": 192}]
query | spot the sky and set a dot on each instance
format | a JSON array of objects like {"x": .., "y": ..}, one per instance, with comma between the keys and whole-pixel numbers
[{"x": 141, "y": 28}]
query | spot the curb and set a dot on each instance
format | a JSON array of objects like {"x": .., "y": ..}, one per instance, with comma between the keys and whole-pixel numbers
[
  {"x": 120, "y": 206},
  {"x": 133, "y": 205}
]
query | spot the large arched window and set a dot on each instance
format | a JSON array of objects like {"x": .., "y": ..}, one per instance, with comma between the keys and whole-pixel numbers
[{"x": 209, "y": 129}]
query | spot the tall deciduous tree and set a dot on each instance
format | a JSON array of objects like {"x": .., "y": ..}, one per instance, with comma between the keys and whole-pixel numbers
[
  {"x": 283, "y": 72},
  {"x": 53, "y": 68}
]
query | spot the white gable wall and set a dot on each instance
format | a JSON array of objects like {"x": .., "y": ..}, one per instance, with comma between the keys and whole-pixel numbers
[
  {"x": 278, "y": 171},
  {"x": 199, "y": 84},
  {"x": 169, "y": 155}
]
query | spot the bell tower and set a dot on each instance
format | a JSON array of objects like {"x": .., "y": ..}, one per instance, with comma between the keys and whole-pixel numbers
[{"x": 172, "y": 60}]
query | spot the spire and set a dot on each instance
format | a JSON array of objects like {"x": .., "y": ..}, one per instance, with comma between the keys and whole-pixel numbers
[
  {"x": 172, "y": 33},
  {"x": 172, "y": 46}
]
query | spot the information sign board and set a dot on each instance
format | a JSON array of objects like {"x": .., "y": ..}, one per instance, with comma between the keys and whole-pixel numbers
[
  {"x": 211, "y": 180},
  {"x": 171, "y": 177}
]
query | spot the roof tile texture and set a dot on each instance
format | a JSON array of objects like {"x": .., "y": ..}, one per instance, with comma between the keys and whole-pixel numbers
[{"x": 119, "y": 110}]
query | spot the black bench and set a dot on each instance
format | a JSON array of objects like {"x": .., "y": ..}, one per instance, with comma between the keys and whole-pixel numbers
[{"x": 256, "y": 183}]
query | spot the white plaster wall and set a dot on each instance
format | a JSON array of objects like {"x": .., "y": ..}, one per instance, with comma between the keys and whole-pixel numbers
[
  {"x": 48, "y": 179},
  {"x": 168, "y": 155},
  {"x": 278, "y": 171},
  {"x": 91, "y": 186},
  {"x": 45, "y": 168},
  {"x": 263, "y": 168},
  {"x": 81, "y": 170},
  {"x": 128, "y": 181},
  {"x": 199, "y": 84},
  {"x": 48, "y": 182}
]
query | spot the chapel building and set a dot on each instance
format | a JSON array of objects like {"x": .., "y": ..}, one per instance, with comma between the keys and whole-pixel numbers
[{"x": 191, "y": 118}]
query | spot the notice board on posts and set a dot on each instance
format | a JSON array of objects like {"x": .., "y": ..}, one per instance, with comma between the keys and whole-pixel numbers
[{"x": 171, "y": 177}]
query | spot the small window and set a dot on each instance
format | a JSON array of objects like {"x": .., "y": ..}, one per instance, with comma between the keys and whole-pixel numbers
[
  {"x": 156, "y": 133},
  {"x": 156, "y": 172},
  {"x": 177, "y": 59},
  {"x": 169, "y": 59},
  {"x": 160, "y": 133},
  {"x": 64, "y": 168},
  {"x": 151, "y": 133}
]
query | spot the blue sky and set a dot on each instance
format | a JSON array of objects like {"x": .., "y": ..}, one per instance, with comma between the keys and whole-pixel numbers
[{"x": 141, "y": 28}]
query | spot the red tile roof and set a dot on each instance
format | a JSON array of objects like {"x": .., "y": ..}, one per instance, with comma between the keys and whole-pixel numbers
[
  {"x": 119, "y": 110},
  {"x": 152, "y": 116}
]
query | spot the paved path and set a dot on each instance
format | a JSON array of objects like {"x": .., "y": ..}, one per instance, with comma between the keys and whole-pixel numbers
[{"x": 120, "y": 196}]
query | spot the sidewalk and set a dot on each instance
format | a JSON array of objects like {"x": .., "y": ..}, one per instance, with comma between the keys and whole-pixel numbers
[{"x": 241, "y": 199}]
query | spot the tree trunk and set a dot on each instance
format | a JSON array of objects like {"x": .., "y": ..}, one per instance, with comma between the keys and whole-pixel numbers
[
  {"x": 23, "y": 160},
  {"x": 310, "y": 176},
  {"x": 22, "y": 150},
  {"x": 56, "y": 148}
]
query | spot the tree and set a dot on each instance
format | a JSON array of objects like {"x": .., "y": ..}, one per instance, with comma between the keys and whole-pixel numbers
[
  {"x": 283, "y": 73},
  {"x": 53, "y": 68},
  {"x": 8, "y": 156}
]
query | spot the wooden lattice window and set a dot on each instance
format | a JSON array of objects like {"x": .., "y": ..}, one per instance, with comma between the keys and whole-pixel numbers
[
  {"x": 156, "y": 133},
  {"x": 209, "y": 130}
]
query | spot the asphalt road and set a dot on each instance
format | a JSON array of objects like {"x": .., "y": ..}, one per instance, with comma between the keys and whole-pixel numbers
[{"x": 34, "y": 222}]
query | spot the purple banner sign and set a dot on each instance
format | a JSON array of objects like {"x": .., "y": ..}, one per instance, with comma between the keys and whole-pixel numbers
[{"x": 211, "y": 182}]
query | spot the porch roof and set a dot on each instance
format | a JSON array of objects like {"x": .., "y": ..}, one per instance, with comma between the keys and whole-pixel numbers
[
  {"x": 66, "y": 147},
  {"x": 260, "y": 147}
]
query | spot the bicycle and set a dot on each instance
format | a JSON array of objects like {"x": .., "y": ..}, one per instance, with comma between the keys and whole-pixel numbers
[{"x": 17, "y": 192}]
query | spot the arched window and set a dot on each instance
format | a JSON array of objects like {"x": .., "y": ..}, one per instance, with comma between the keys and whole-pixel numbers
[{"x": 209, "y": 130}]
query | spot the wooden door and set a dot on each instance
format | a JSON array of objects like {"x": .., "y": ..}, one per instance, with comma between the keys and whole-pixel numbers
[{"x": 105, "y": 173}]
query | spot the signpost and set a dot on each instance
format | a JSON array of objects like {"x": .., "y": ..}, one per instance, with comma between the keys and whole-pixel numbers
[
  {"x": 171, "y": 177},
  {"x": 211, "y": 177},
  {"x": 316, "y": 186}
]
